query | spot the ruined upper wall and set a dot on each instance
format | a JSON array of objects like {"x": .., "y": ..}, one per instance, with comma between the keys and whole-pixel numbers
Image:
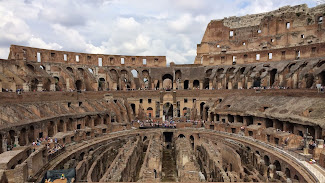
[
  {"x": 54, "y": 56},
  {"x": 287, "y": 33}
]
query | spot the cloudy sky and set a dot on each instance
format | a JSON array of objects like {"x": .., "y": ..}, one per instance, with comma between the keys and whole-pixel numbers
[{"x": 127, "y": 27}]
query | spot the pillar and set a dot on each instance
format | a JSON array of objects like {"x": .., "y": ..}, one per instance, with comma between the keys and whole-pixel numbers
[{"x": 4, "y": 143}]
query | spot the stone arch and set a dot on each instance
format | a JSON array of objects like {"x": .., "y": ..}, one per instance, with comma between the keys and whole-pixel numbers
[
  {"x": 30, "y": 67},
  {"x": 268, "y": 123},
  {"x": 88, "y": 121},
  {"x": 133, "y": 108},
  {"x": 47, "y": 84},
  {"x": 61, "y": 126},
  {"x": 70, "y": 69},
  {"x": 257, "y": 82},
  {"x": 167, "y": 81},
  {"x": 273, "y": 73},
  {"x": 192, "y": 141},
  {"x": 266, "y": 160},
  {"x": 296, "y": 177},
  {"x": 34, "y": 84},
  {"x": 101, "y": 84},
  {"x": 134, "y": 73},
  {"x": 57, "y": 83},
  {"x": 50, "y": 129},
  {"x": 277, "y": 165},
  {"x": 178, "y": 75},
  {"x": 114, "y": 75},
  {"x": 97, "y": 120},
  {"x": 322, "y": 78},
  {"x": 230, "y": 118},
  {"x": 69, "y": 124},
  {"x": 22, "y": 137},
  {"x": 79, "y": 84},
  {"x": 206, "y": 83},
  {"x": 150, "y": 112},
  {"x": 196, "y": 84},
  {"x": 168, "y": 110},
  {"x": 186, "y": 84},
  {"x": 181, "y": 136},
  {"x": 309, "y": 80},
  {"x": 287, "y": 173},
  {"x": 208, "y": 73},
  {"x": 11, "y": 137}
]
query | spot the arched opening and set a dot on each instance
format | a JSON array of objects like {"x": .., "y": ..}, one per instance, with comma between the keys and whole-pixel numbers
[
  {"x": 206, "y": 113},
  {"x": 134, "y": 73},
  {"x": 22, "y": 137},
  {"x": 178, "y": 75},
  {"x": 167, "y": 81},
  {"x": 78, "y": 84},
  {"x": 196, "y": 84},
  {"x": 272, "y": 76},
  {"x": 101, "y": 84},
  {"x": 97, "y": 120},
  {"x": 185, "y": 111},
  {"x": 296, "y": 178},
  {"x": 242, "y": 70},
  {"x": 30, "y": 67},
  {"x": 11, "y": 139},
  {"x": 206, "y": 83},
  {"x": 69, "y": 125},
  {"x": 309, "y": 80},
  {"x": 201, "y": 109},
  {"x": 133, "y": 108},
  {"x": 149, "y": 112},
  {"x": 257, "y": 82},
  {"x": 34, "y": 84},
  {"x": 277, "y": 165},
  {"x": 192, "y": 141},
  {"x": 88, "y": 121},
  {"x": 60, "y": 126},
  {"x": 70, "y": 69},
  {"x": 230, "y": 118},
  {"x": 186, "y": 82},
  {"x": 181, "y": 136},
  {"x": 50, "y": 129},
  {"x": 57, "y": 85},
  {"x": 208, "y": 73},
  {"x": 31, "y": 134},
  {"x": 322, "y": 78},
  {"x": 81, "y": 156},
  {"x": 287, "y": 172},
  {"x": 145, "y": 138},
  {"x": 168, "y": 110},
  {"x": 47, "y": 85},
  {"x": 266, "y": 160},
  {"x": 268, "y": 123},
  {"x": 249, "y": 120}
]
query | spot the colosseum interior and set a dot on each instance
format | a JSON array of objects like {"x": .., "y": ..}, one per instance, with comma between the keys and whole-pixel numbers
[{"x": 249, "y": 109}]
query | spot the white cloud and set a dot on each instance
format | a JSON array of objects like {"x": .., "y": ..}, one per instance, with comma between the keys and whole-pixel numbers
[{"x": 142, "y": 27}]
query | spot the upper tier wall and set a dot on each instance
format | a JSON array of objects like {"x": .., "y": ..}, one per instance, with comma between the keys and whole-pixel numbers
[
  {"x": 288, "y": 33},
  {"x": 53, "y": 56}
]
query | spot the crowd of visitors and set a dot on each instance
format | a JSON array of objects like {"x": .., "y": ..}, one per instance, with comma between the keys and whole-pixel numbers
[{"x": 52, "y": 145}]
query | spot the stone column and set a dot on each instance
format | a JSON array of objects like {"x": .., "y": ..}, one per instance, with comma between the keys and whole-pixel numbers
[
  {"x": 161, "y": 112},
  {"x": 215, "y": 118},
  {"x": 4, "y": 143},
  {"x": 17, "y": 140}
]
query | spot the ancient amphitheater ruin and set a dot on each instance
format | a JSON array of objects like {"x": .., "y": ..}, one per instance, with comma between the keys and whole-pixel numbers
[{"x": 250, "y": 108}]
